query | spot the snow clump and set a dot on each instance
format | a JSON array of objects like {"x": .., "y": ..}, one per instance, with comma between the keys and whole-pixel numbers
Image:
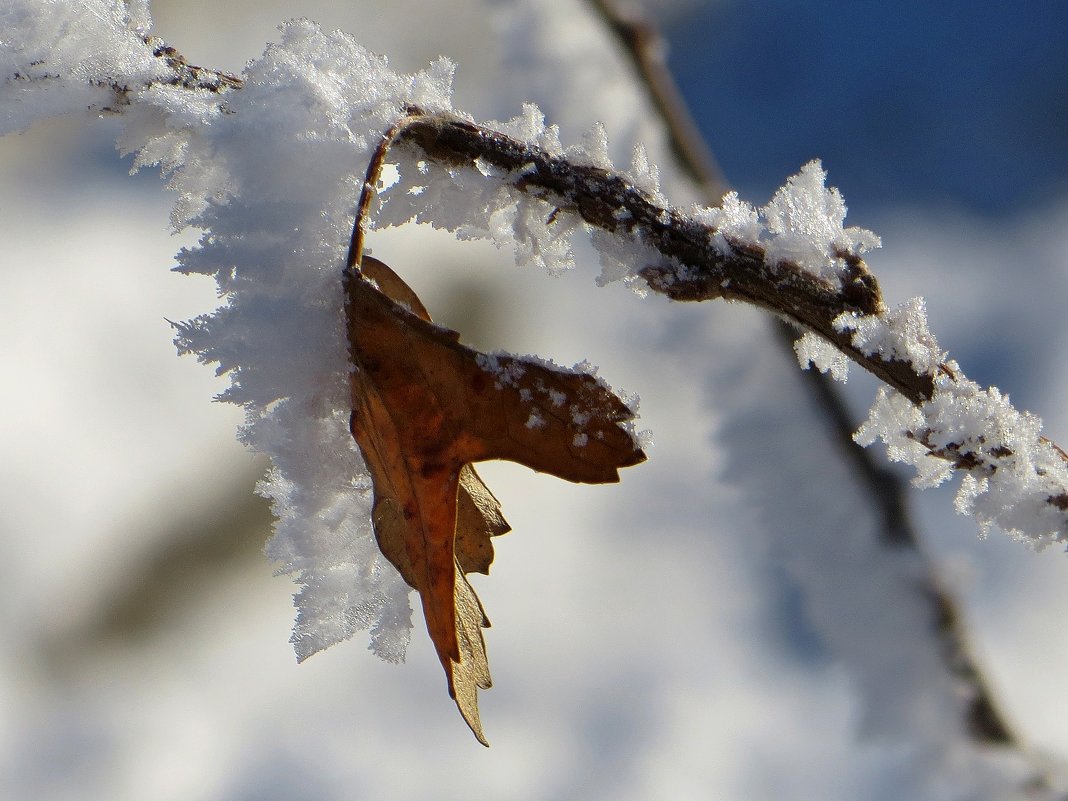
[{"x": 802, "y": 224}]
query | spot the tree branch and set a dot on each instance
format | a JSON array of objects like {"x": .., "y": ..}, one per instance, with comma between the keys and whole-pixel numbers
[
  {"x": 179, "y": 73},
  {"x": 642, "y": 41},
  {"x": 698, "y": 262},
  {"x": 694, "y": 267},
  {"x": 190, "y": 76}
]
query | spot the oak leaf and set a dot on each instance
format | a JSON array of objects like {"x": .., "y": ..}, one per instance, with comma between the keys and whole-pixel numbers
[{"x": 425, "y": 408}]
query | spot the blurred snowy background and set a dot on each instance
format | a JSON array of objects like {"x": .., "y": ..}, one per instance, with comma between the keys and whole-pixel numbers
[{"x": 690, "y": 633}]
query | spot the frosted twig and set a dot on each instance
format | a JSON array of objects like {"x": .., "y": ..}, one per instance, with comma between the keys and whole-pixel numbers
[
  {"x": 367, "y": 191},
  {"x": 696, "y": 261},
  {"x": 179, "y": 72},
  {"x": 188, "y": 75},
  {"x": 643, "y": 42},
  {"x": 887, "y": 492},
  {"x": 693, "y": 265}
]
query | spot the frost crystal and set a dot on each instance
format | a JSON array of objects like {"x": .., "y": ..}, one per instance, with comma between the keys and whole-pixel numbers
[
  {"x": 825, "y": 357},
  {"x": 734, "y": 218},
  {"x": 899, "y": 333},
  {"x": 593, "y": 150},
  {"x": 529, "y": 127},
  {"x": 645, "y": 175},
  {"x": 805, "y": 222},
  {"x": 1012, "y": 473},
  {"x": 60, "y": 57},
  {"x": 801, "y": 224},
  {"x": 269, "y": 174},
  {"x": 504, "y": 375},
  {"x": 272, "y": 183},
  {"x": 480, "y": 203}
]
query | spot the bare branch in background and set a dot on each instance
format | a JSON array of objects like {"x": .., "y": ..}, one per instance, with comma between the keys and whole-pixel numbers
[{"x": 887, "y": 492}]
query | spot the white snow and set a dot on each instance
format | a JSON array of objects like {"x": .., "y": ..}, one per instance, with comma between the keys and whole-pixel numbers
[
  {"x": 898, "y": 333},
  {"x": 56, "y": 56},
  {"x": 865, "y": 612},
  {"x": 821, "y": 354},
  {"x": 802, "y": 223},
  {"x": 1010, "y": 471}
]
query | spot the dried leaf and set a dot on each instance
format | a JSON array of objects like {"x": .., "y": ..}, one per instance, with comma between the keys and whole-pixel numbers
[{"x": 425, "y": 408}]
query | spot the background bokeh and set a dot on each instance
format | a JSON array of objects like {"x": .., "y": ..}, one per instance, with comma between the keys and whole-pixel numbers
[{"x": 651, "y": 639}]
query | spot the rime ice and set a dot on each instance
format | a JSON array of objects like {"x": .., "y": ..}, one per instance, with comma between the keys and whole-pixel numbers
[
  {"x": 1011, "y": 472},
  {"x": 270, "y": 172},
  {"x": 802, "y": 223},
  {"x": 821, "y": 354},
  {"x": 898, "y": 333},
  {"x": 53, "y": 53}
]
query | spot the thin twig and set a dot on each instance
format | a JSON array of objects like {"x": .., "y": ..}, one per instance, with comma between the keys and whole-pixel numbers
[
  {"x": 180, "y": 73},
  {"x": 695, "y": 262},
  {"x": 190, "y": 76},
  {"x": 645, "y": 47},
  {"x": 642, "y": 42},
  {"x": 693, "y": 266}
]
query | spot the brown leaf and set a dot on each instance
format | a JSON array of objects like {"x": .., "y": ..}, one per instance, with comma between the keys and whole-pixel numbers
[
  {"x": 478, "y": 512},
  {"x": 424, "y": 408}
]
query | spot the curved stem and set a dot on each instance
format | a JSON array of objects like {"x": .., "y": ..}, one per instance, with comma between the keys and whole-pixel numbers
[{"x": 370, "y": 186}]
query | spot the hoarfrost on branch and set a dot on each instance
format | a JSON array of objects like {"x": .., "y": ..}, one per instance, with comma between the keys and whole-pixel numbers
[{"x": 267, "y": 167}]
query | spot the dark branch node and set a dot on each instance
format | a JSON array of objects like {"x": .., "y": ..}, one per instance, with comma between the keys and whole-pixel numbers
[{"x": 190, "y": 76}]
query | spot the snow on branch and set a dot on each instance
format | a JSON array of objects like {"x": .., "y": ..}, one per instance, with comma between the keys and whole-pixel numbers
[
  {"x": 792, "y": 257},
  {"x": 267, "y": 166},
  {"x": 63, "y": 57}
]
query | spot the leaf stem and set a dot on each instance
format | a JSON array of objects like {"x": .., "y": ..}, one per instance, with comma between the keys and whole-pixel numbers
[{"x": 370, "y": 186}]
